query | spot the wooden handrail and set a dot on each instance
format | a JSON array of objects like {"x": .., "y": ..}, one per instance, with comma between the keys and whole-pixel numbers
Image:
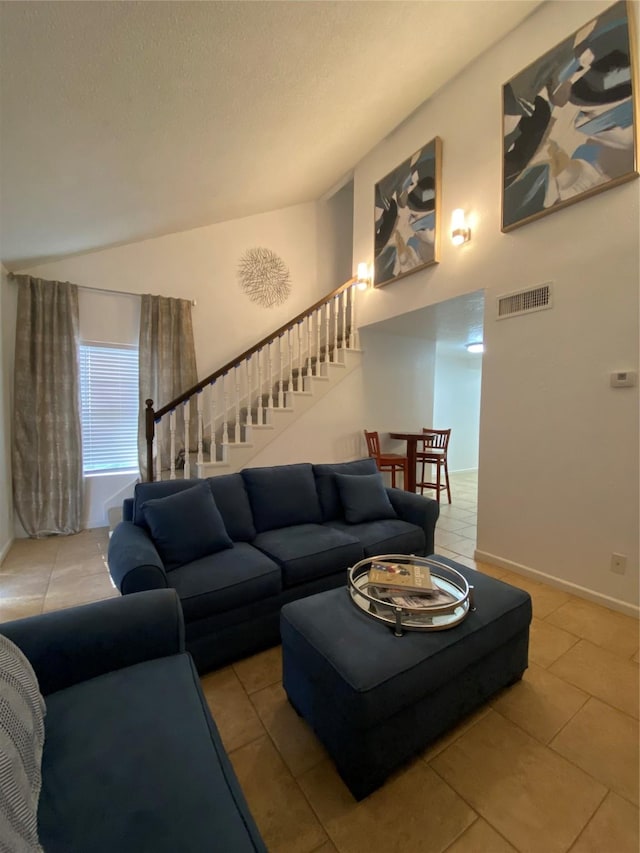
[{"x": 231, "y": 364}]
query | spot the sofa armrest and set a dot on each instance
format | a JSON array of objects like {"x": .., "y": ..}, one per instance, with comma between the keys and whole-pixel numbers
[
  {"x": 66, "y": 647},
  {"x": 418, "y": 510},
  {"x": 134, "y": 562}
]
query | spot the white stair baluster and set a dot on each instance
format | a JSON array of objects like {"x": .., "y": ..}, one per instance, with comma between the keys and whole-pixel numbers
[
  {"x": 172, "y": 444},
  {"x": 212, "y": 422},
  {"x": 309, "y": 344},
  {"x": 236, "y": 372},
  {"x": 186, "y": 408},
  {"x": 281, "y": 386},
  {"x": 289, "y": 359},
  {"x": 352, "y": 300},
  {"x": 327, "y": 330},
  {"x": 300, "y": 362},
  {"x": 318, "y": 318},
  {"x": 260, "y": 412},
  {"x": 354, "y": 321},
  {"x": 249, "y": 419},
  {"x": 343, "y": 303},
  {"x": 271, "y": 396},
  {"x": 199, "y": 404},
  {"x": 336, "y": 321},
  {"x": 157, "y": 442},
  {"x": 225, "y": 414}
]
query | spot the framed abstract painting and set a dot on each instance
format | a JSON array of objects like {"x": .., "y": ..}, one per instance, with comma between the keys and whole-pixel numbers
[
  {"x": 569, "y": 125},
  {"x": 407, "y": 215}
]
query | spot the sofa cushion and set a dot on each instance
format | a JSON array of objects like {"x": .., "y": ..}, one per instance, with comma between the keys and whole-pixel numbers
[
  {"x": 309, "y": 551},
  {"x": 390, "y": 536},
  {"x": 144, "y": 492},
  {"x": 22, "y": 711},
  {"x": 186, "y": 526},
  {"x": 232, "y": 500},
  {"x": 364, "y": 497},
  {"x": 282, "y": 495},
  {"x": 219, "y": 582},
  {"x": 330, "y": 503},
  {"x": 133, "y": 762}
]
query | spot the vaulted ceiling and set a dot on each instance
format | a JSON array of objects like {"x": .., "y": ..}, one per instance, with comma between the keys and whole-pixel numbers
[{"x": 121, "y": 121}]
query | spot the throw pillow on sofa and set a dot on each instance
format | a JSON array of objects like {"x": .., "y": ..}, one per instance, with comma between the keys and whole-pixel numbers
[
  {"x": 186, "y": 526},
  {"x": 22, "y": 711},
  {"x": 364, "y": 498}
]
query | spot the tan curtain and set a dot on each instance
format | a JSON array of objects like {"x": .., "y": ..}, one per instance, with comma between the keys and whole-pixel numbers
[
  {"x": 167, "y": 359},
  {"x": 47, "y": 442}
]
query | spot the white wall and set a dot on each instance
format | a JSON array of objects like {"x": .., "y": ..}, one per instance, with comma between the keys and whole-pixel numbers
[
  {"x": 456, "y": 405},
  {"x": 202, "y": 264},
  {"x": 7, "y": 343},
  {"x": 335, "y": 238},
  {"x": 558, "y": 466}
]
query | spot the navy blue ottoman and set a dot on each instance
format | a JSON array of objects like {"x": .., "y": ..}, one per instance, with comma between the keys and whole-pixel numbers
[{"x": 375, "y": 699}]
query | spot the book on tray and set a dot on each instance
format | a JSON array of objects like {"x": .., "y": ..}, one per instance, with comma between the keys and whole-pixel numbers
[{"x": 401, "y": 577}]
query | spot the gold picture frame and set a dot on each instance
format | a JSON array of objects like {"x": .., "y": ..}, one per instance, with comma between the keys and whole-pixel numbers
[{"x": 407, "y": 215}]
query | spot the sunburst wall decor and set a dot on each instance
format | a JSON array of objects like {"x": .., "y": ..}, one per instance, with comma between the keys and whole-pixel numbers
[{"x": 264, "y": 277}]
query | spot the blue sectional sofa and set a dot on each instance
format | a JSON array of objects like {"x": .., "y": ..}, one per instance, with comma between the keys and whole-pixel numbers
[
  {"x": 237, "y": 547},
  {"x": 132, "y": 759}
]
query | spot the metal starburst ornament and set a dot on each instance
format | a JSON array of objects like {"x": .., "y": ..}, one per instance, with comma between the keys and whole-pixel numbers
[{"x": 264, "y": 277}]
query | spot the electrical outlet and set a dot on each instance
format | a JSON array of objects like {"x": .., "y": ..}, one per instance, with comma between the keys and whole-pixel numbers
[{"x": 619, "y": 563}]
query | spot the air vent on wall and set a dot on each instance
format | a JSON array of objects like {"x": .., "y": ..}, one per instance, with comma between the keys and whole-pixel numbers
[{"x": 524, "y": 301}]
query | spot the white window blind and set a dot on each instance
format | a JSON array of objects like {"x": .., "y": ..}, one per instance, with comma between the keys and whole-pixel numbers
[{"x": 109, "y": 410}]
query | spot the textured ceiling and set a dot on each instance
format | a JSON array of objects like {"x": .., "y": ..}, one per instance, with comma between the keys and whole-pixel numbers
[{"x": 126, "y": 120}]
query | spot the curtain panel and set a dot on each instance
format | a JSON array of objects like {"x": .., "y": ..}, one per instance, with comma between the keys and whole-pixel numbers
[
  {"x": 47, "y": 440},
  {"x": 167, "y": 363}
]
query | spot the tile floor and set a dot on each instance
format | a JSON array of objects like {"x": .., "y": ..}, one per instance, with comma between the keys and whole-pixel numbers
[{"x": 549, "y": 765}]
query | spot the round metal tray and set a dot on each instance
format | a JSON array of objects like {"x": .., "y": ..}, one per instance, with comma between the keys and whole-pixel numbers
[{"x": 403, "y": 615}]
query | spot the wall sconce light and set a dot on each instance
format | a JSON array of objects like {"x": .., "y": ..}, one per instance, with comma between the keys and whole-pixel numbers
[
  {"x": 363, "y": 276},
  {"x": 460, "y": 231},
  {"x": 476, "y": 346}
]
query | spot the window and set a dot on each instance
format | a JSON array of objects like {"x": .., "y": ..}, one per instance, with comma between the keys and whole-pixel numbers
[{"x": 109, "y": 410}]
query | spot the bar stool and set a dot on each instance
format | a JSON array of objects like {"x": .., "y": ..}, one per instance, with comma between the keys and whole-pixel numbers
[
  {"x": 389, "y": 462},
  {"x": 434, "y": 452}
]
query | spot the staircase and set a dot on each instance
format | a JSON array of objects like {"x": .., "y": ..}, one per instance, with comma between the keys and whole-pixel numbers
[{"x": 232, "y": 415}]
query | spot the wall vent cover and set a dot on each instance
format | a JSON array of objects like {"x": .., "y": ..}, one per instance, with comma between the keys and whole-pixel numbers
[{"x": 524, "y": 301}]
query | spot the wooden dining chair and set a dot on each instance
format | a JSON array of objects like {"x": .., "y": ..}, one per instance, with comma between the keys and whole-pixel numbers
[
  {"x": 432, "y": 450},
  {"x": 389, "y": 462}
]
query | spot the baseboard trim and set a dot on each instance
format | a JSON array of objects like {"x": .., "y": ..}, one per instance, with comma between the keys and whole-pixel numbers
[
  {"x": 5, "y": 550},
  {"x": 566, "y": 586}
]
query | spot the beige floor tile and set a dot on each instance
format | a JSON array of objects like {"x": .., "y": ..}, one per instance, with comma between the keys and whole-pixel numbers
[
  {"x": 451, "y": 525},
  {"x": 284, "y": 818},
  {"x": 72, "y": 591},
  {"x": 232, "y": 710},
  {"x": 295, "y": 740},
  {"x": 604, "y": 742},
  {"x": 545, "y": 598},
  {"x": 19, "y": 608},
  {"x": 452, "y": 511},
  {"x": 547, "y": 643},
  {"x": 535, "y": 798},
  {"x": 27, "y": 564},
  {"x": 481, "y": 838},
  {"x": 603, "y": 627},
  {"x": 327, "y": 847},
  {"x": 447, "y": 539},
  {"x": 613, "y": 829},
  {"x": 464, "y": 547},
  {"x": 470, "y": 532},
  {"x": 78, "y": 568},
  {"x": 414, "y": 805},
  {"x": 24, "y": 583},
  {"x": 453, "y": 734},
  {"x": 540, "y": 703},
  {"x": 260, "y": 670},
  {"x": 602, "y": 674}
]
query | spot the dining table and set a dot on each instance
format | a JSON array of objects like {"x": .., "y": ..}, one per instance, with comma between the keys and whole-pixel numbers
[{"x": 411, "y": 439}]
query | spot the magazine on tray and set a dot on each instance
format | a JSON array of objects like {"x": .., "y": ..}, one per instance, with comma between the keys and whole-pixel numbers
[{"x": 436, "y": 596}]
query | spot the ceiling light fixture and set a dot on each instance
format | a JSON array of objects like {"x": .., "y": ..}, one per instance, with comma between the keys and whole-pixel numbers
[
  {"x": 476, "y": 346},
  {"x": 460, "y": 231}
]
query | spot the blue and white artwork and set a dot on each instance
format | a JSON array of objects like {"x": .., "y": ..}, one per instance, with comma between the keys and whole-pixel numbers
[
  {"x": 568, "y": 121},
  {"x": 407, "y": 215}
]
